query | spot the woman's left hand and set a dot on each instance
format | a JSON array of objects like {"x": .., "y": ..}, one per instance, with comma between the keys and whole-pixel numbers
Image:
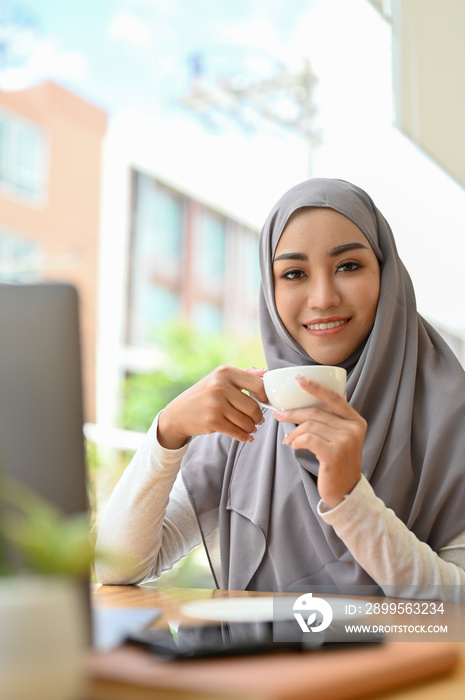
[{"x": 335, "y": 433}]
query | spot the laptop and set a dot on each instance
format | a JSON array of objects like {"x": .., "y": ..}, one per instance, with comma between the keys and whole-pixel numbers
[
  {"x": 41, "y": 410},
  {"x": 41, "y": 417}
]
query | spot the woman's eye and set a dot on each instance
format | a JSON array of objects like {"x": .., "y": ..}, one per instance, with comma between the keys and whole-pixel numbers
[
  {"x": 348, "y": 267},
  {"x": 293, "y": 275}
]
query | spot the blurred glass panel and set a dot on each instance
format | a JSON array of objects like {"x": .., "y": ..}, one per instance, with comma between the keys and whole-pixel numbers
[
  {"x": 159, "y": 220},
  {"x": 207, "y": 318},
  {"x": 210, "y": 245},
  {"x": 155, "y": 266},
  {"x": 22, "y": 155},
  {"x": 156, "y": 306},
  {"x": 251, "y": 272},
  {"x": 21, "y": 260}
]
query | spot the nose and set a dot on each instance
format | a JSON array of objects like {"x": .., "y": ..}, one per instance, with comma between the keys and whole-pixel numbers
[{"x": 323, "y": 293}]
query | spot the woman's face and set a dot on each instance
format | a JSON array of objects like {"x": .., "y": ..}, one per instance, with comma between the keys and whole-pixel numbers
[{"x": 326, "y": 284}]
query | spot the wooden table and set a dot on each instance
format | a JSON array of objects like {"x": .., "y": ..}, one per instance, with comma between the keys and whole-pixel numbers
[{"x": 394, "y": 670}]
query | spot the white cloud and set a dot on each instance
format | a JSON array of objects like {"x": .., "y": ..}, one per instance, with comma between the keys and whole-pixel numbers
[
  {"x": 128, "y": 27},
  {"x": 45, "y": 62},
  {"x": 255, "y": 33},
  {"x": 49, "y": 60}
]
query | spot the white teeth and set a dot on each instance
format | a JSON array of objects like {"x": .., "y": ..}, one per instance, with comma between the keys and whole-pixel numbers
[{"x": 325, "y": 326}]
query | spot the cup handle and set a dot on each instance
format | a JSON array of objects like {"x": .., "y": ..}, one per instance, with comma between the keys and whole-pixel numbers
[{"x": 260, "y": 403}]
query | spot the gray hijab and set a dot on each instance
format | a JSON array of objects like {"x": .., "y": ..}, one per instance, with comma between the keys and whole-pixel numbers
[{"x": 261, "y": 498}]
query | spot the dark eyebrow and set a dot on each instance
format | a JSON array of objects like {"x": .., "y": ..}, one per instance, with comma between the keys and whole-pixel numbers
[
  {"x": 347, "y": 246},
  {"x": 292, "y": 256},
  {"x": 333, "y": 253}
]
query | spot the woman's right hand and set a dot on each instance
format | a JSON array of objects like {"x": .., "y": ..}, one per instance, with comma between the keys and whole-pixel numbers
[{"x": 216, "y": 404}]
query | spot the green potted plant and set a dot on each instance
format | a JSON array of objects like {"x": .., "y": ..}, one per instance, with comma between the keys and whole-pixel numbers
[
  {"x": 42, "y": 538},
  {"x": 45, "y": 559}
]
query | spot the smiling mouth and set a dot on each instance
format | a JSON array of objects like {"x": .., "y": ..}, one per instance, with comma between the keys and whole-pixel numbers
[{"x": 326, "y": 326}]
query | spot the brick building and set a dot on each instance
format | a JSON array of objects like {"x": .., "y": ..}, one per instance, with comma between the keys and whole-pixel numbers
[{"x": 50, "y": 185}]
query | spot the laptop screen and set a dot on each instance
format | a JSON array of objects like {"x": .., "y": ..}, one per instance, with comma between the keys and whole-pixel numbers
[{"x": 41, "y": 414}]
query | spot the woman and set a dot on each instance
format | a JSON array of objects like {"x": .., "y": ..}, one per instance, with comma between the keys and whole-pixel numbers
[{"x": 367, "y": 490}]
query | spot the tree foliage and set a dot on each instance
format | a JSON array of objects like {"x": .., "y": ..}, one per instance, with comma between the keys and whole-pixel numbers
[{"x": 185, "y": 357}]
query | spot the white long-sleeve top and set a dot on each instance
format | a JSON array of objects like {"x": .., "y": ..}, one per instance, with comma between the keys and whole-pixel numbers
[{"x": 148, "y": 524}]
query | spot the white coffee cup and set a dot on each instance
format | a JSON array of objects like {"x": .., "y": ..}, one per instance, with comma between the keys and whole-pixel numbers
[{"x": 285, "y": 393}]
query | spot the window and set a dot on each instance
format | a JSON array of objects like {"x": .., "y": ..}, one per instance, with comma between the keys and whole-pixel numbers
[
  {"x": 187, "y": 262},
  {"x": 207, "y": 318},
  {"x": 156, "y": 260},
  {"x": 250, "y": 263},
  {"x": 21, "y": 260},
  {"x": 158, "y": 306},
  {"x": 22, "y": 156},
  {"x": 210, "y": 248},
  {"x": 159, "y": 221}
]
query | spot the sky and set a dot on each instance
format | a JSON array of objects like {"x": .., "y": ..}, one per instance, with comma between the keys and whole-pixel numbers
[
  {"x": 134, "y": 58},
  {"x": 139, "y": 52}
]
